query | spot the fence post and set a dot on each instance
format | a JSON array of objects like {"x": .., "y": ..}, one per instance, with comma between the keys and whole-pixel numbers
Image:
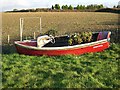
[
  {"x": 34, "y": 35},
  {"x": 21, "y": 28},
  {"x": 40, "y": 25},
  {"x": 8, "y": 39}
]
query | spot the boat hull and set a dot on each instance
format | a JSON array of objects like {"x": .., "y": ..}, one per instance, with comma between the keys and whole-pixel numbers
[{"x": 97, "y": 47}]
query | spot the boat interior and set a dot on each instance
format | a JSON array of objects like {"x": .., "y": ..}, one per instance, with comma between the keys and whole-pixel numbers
[{"x": 63, "y": 40}]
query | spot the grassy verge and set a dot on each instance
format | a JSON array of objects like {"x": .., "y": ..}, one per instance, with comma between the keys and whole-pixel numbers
[{"x": 93, "y": 70}]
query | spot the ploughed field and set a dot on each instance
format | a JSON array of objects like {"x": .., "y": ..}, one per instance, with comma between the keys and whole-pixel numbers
[{"x": 62, "y": 22}]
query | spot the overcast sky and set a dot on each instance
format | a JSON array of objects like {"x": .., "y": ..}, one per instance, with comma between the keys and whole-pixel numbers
[{"x": 7, "y": 5}]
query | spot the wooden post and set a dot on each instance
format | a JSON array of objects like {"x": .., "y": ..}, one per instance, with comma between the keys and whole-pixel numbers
[
  {"x": 21, "y": 28},
  {"x": 40, "y": 25},
  {"x": 8, "y": 39},
  {"x": 34, "y": 36},
  {"x": 26, "y": 37},
  {"x": 22, "y": 25}
]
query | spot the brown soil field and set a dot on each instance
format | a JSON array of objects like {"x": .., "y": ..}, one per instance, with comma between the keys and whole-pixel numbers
[{"x": 63, "y": 22}]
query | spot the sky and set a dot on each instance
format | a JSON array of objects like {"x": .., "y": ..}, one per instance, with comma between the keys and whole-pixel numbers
[{"x": 8, "y": 5}]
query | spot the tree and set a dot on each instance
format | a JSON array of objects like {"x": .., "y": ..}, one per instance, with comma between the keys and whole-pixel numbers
[
  {"x": 78, "y": 7},
  {"x": 70, "y": 7},
  {"x": 53, "y": 7},
  {"x": 57, "y": 6},
  {"x": 15, "y": 10},
  {"x": 118, "y": 6},
  {"x": 63, "y": 7},
  {"x": 96, "y": 6},
  {"x": 114, "y": 6},
  {"x": 101, "y": 6},
  {"x": 66, "y": 6},
  {"x": 83, "y": 7}
]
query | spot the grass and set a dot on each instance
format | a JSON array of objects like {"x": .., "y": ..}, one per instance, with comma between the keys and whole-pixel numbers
[{"x": 93, "y": 70}]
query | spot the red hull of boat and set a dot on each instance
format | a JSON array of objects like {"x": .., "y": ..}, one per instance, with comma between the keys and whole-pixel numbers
[{"x": 74, "y": 51}]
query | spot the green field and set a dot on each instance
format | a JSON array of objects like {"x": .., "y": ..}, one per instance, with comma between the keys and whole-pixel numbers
[{"x": 93, "y": 70}]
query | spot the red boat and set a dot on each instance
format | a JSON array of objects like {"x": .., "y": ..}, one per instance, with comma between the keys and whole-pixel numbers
[{"x": 59, "y": 45}]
